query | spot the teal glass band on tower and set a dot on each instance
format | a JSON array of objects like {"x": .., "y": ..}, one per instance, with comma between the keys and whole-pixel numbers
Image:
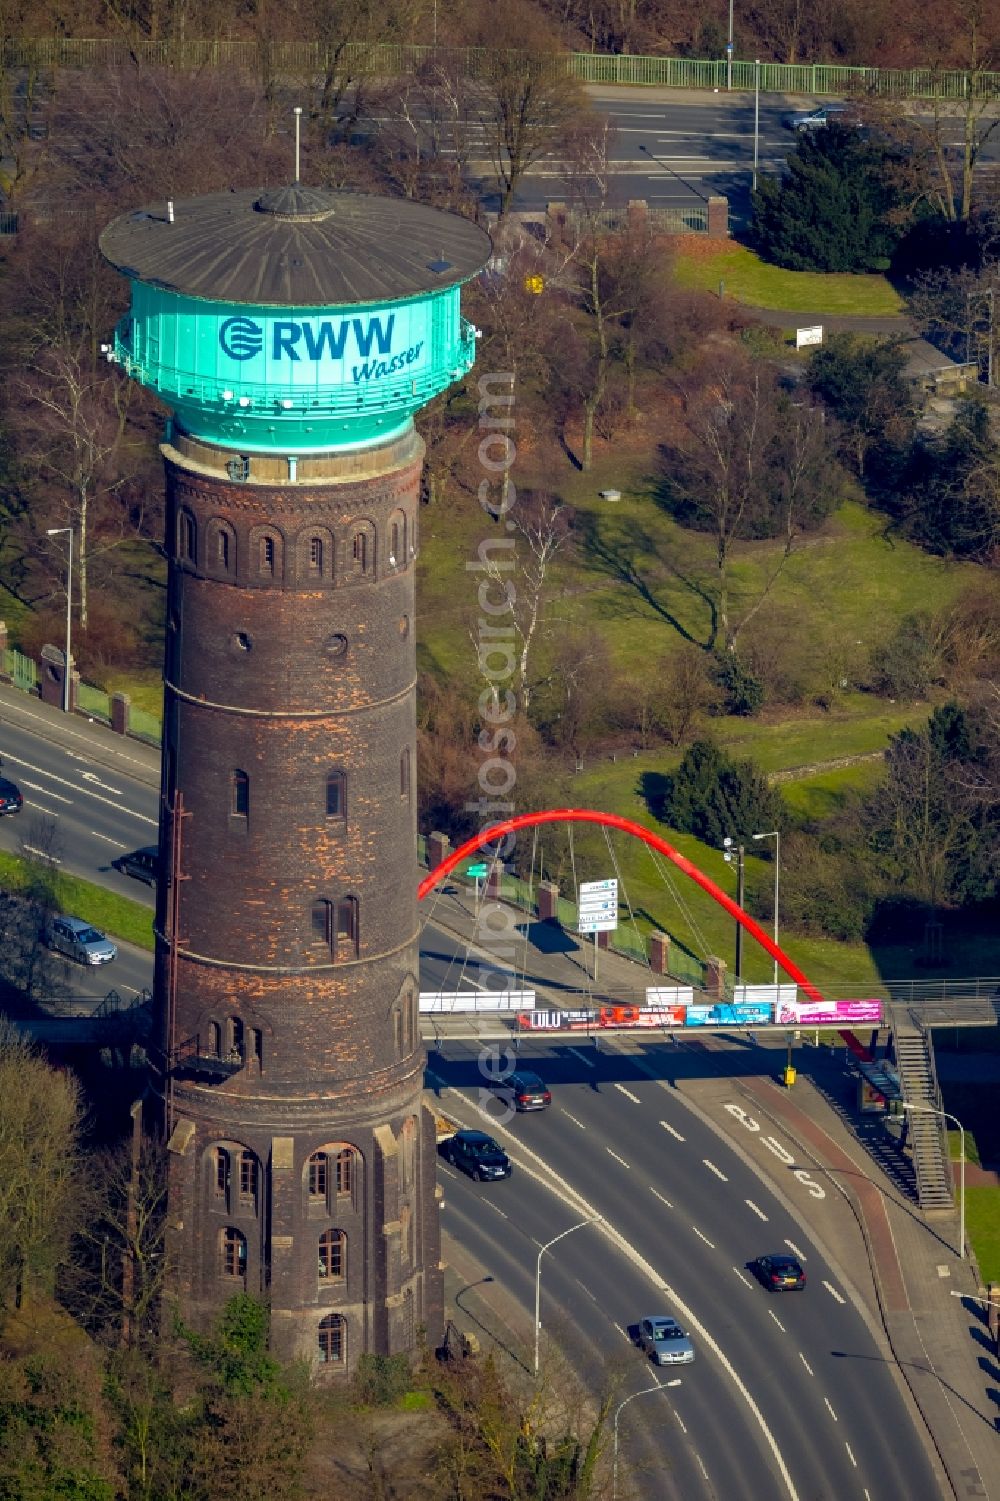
[{"x": 344, "y": 340}]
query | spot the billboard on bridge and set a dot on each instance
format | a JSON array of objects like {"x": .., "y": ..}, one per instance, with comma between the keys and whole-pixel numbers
[{"x": 828, "y": 1013}]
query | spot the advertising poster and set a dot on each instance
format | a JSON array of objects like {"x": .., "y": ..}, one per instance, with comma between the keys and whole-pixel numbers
[
  {"x": 729, "y": 1014},
  {"x": 828, "y": 1013}
]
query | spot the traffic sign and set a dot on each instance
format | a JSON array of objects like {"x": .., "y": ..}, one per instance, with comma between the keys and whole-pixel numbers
[
  {"x": 586, "y": 887},
  {"x": 597, "y": 910},
  {"x": 477, "y": 871}
]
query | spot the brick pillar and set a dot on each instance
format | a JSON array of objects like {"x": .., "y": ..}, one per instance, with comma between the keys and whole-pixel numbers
[
  {"x": 659, "y": 953},
  {"x": 638, "y": 213},
  {"x": 50, "y": 678},
  {"x": 993, "y": 1312},
  {"x": 548, "y": 901},
  {"x": 438, "y": 846},
  {"x": 718, "y": 218},
  {"x": 3, "y": 635},
  {"x": 494, "y": 879},
  {"x": 715, "y": 977},
  {"x": 555, "y": 220},
  {"x": 603, "y": 940},
  {"x": 120, "y": 705}
]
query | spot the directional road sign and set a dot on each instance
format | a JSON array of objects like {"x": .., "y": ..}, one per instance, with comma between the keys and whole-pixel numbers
[{"x": 598, "y": 906}]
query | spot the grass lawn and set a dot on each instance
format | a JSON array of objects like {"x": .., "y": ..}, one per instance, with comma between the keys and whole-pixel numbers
[
  {"x": 751, "y": 280},
  {"x": 982, "y": 1225},
  {"x": 117, "y": 915}
]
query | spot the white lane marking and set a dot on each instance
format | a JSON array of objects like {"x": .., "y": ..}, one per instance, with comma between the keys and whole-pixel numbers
[
  {"x": 88, "y": 792},
  {"x": 628, "y": 1094},
  {"x": 794, "y": 1248},
  {"x": 46, "y": 793},
  {"x": 833, "y": 1292},
  {"x": 668, "y": 1127},
  {"x": 442, "y": 1168},
  {"x": 29, "y": 849},
  {"x": 621, "y": 1331},
  {"x": 776, "y": 1320},
  {"x": 582, "y": 1057},
  {"x": 743, "y": 1278},
  {"x": 830, "y": 1409},
  {"x": 96, "y": 834},
  {"x": 91, "y": 776},
  {"x": 701, "y": 1466},
  {"x": 496, "y": 1208},
  {"x": 805, "y": 1363},
  {"x": 680, "y": 1420},
  {"x": 616, "y": 1157},
  {"x": 716, "y": 1170},
  {"x": 757, "y": 1211},
  {"x": 656, "y": 1193},
  {"x": 851, "y": 1457},
  {"x": 575, "y": 1121},
  {"x": 703, "y": 1237},
  {"x": 545, "y": 1175}
]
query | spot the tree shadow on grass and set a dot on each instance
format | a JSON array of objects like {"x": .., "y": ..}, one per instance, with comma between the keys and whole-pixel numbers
[{"x": 618, "y": 555}]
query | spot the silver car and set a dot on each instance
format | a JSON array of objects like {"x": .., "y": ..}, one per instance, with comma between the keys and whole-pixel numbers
[
  {"x": 826, "y": 114},
  {"x": 78, "y": 940},
  {"x": 665, "y": 1341}
]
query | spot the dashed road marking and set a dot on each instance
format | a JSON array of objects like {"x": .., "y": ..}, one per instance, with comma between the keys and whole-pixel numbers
[
  {"x": 47, "y": 792},
  {"x": 743, "y": 1278},
  {"x": 716, "y": 1170},
  {"x": 656, "y": 1193},
  {"x": 680, "y": 1420},
  {"x": 851, "y": 1457},
  {"x": 29, "y": 849},
  {"x": 96, "y": 834},
  {"x": 805, "y": 1363},
  {"x": 757, "y": 1211},
  {"x": 668, "y": 1127},
  {"x": 582, "y": 1057},
  {"x": 830, "y": 1409},
  {"x": 621, "y": 1331},
  {"x": 616, "y": 1157},
  {"x": 701, "y": 1465},
  {"x": 776, "y": 1320},
  {"x": 496, "y": 1209},
  {"x": 705, "y": 1238},
  {"x": 833, "y": 1292},
  {"x": 795, "y": 1250},
  {"x": 575, "y": 1121},
  {"x": 628, "y": 1094}
]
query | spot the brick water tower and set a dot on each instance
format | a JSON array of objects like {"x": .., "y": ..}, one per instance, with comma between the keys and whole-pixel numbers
[{"x": 294, "y": 334}]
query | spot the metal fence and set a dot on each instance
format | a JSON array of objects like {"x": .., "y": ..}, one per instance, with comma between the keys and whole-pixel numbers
[
  {"x": 93, "y": 701},
  {"x": 8, "y": 224},
  {"x": 312, "y": 59},
  {"x": 670, "y": 220},
  {"x": 22, "y": 670}
]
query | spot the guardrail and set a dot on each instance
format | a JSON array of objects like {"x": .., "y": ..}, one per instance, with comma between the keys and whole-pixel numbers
[{"x": 388, "y": 60}]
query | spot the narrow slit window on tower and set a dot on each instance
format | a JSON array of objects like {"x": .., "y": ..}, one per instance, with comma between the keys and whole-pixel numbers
[
  {"x": 346, "y": 928},
  {"x": 257, "y": 1047},
  {"x": 187, "y": 538},
  {"x": 267, "y": 556},
  {"x": 214, "y": 1041},
  {"x": 222, "y": 545},
  {"x": 336, "y": 794},
  {"x": 235, "y": 1040},
  {"x": 315, "y": 556},
  {"x": 360, "y": 552},
  {"x": 404, "y": 772},
  {"x": 332, "y": 1254},
  {"x": 395, "y": 556},
  {"x": 221, "y": 1172},
  {"x": 239, "y": 802},
  {"x": 345, "y": 1171},
  {"x": 322, "y": 921}
]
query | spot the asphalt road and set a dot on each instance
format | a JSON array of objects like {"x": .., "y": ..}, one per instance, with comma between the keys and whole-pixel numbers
[{"x": 692, "y": 1210}]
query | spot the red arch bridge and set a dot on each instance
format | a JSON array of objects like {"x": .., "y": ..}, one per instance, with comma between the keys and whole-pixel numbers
[{"x": 499, "y": 831}]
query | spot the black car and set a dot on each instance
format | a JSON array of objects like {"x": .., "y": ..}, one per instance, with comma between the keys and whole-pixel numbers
[
  {"x": 11, "y": 800},
  {"x": 780, "y": 1273},
  {"x": 524, "y": 1090},
  {"x": 144, "y": 864},
  {"x": 478, "y": 1155}
]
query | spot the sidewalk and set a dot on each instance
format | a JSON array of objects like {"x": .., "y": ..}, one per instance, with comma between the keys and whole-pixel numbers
[{"x": 88, "y": 738}]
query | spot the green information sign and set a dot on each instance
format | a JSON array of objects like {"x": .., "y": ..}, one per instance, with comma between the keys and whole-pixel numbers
[{"x": 477, "y": 871}]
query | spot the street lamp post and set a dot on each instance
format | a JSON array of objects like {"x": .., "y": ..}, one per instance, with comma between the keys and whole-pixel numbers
[
  {"x": 945, "y": 1115},
  {"x": 734, "y": 850},
  {"x": 660, "y": 1386},
  {"x": 756, "y": 119},
  {"x": 590, "y": 1220},
  {"x": 57, "y": 531},
  {"x": 775, "y": 834},
  {"x": 729, "y": 50}
]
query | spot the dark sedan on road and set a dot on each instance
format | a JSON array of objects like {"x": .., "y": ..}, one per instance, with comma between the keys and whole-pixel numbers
[
  {"x": 478, "y": 1155},
  {"x": 142, "y": 864},
  {"x": 525, "y": 1091},
  {"x": 11, "y": 800},
  {"x": 780, "y": 1273}
]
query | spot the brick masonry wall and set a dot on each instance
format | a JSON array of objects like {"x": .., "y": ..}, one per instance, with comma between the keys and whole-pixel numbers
[{"x": 290, "y": 656}]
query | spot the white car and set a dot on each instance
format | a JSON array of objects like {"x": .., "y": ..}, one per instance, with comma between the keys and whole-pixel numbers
[{"x": 826, "y": 114}]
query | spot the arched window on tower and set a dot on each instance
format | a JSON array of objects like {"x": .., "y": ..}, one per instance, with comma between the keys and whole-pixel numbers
[
  {"x": 404, "y": 773},
  {"x": 267, "y": 556},
  {"x": 333, "y": 1340},
  {"x": 187, "y": 537},
  {"x": 346, "y": 942},
  {"x": 248, "y": 1177},
  {"x": 397, "y": 540},
  {"x": 333, "y": 1255},
  {"x": 336, "y": 794},
  {"x": 214, "y": 1040},
  {"x": 221, "y": 1173},
  {"x": 239, "y": 794},
  {"x": 316, "y": 557},
  {"x": 318, "y": 1175},
  {"x": 234, "y": 1254}
]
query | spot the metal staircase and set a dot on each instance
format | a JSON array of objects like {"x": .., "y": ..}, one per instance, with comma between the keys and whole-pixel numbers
[{"x": 928, "y": 1141}]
